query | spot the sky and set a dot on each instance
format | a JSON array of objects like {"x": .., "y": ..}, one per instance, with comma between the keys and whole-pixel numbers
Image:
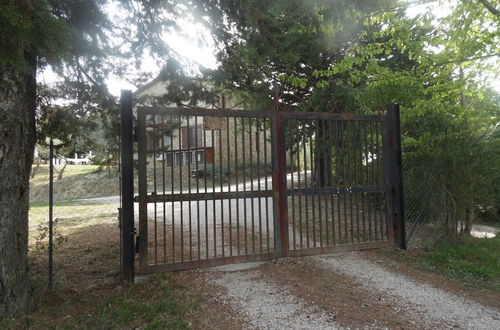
[{"x": 187, "y": 45}]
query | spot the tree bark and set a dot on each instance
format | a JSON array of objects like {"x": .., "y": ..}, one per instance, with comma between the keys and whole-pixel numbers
[{"x": 17, "y": 144}]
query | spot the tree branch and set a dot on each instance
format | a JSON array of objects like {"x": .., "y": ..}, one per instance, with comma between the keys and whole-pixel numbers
[
  {"x": 490, "y": 7},
  {"x": 461, "y": 60}
]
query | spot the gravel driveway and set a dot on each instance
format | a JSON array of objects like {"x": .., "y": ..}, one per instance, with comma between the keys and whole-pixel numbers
[{"x": 266, "y": 304}]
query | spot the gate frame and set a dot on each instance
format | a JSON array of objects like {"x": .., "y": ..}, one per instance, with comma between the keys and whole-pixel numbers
[{"x": 392, "y": 172}]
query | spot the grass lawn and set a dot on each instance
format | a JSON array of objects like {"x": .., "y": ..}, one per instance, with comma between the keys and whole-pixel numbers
[
  {"x": 474, "y": 260},
  {"x": 78, "y": 181}
]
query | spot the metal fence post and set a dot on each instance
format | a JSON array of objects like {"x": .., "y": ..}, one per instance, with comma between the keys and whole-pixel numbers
[
  {"x": 279, "y": 181},
  {"x": 393, "y": 170},
  {"x": 127, "y": 184},
  {"x": 51, "y": 212}
]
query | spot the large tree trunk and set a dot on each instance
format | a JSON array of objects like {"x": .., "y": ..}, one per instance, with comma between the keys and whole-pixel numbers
[{"x": 17, "y": 144}]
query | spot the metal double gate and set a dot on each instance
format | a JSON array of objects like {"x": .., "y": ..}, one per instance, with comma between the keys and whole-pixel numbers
[{"x": 225, "y": 186}]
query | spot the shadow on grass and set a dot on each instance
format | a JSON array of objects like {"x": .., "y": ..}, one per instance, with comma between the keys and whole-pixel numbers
[{"x": 88, "y": 292}]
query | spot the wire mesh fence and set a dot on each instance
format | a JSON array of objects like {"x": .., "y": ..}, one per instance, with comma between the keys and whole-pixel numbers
[
  {"x": 423, "y": 203},
  {"x": 86, "y": 199}
]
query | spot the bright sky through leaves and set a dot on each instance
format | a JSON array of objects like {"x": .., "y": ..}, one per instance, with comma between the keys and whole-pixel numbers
[{"x": 188, "y": 44}]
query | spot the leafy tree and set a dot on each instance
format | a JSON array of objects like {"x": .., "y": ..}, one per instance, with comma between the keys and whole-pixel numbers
[
  {"x": 449, "y": 115},
  {"x": 285, "y": 42},
  {"x": 83, "y": 45}
]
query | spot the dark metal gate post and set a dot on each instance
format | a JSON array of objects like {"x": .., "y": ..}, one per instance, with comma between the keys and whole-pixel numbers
[
  {"x": 279, "y": 181},
  {"x": 394, "y": 175},
  {"x": 127, "y": 184}
]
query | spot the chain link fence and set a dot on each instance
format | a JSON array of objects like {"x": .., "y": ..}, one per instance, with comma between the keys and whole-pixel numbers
[{"x": 86, "y": 198}]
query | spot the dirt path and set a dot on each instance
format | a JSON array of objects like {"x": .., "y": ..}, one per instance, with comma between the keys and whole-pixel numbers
[{"x": 334, "y": 292}]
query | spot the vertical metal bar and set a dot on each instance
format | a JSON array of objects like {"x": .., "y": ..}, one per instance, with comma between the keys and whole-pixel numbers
[
  {"x": 180, "y": 187},
  {"x": 388, "y": 176},
  {"x": 163, "y": 189},
  {"x": 378, "y": 177},
  {"x": 332, "y": 150},
  {"x": 279, "y": 181},
  {"x": 214, "y": 219},
  {"x": 257, "y": 149},
  {"x": 312, "y": 158},
  {"x": 371, "y": 209},
  {"x": 327, "y": 183},
  {"x": 317, "y": 150},
  {"x": 237, "y": 185},
  {"x": 338, "y": 177},
  {"x": 221, "y": 183},
  {"x": 127, "y": 184},
  {"x": 299, "y": 186},
  {"x": 245, "y": 229},
  {"x": 394, "y": 175},
  {"x": 189, "y": 160},
  {"x": 197, "y": 176},
  {"x": 306, "y": 216},
  {"x": 51, "y": 212},
  {"x": 343, "y": 177},
  {"x": 143, "y": 190},
  {"x": 154, "y": 191},
  {"x": 357, "y": 162},
  {"x": 229, "y": 188},
  {"x": 266, "y": 186},
  {"x": 350, "y": 172},
  {"x": 366, "y": 181},
  {"x": 205, "y": 174},
  {"x": 172, "y": 184},
  {"x": 251, "y": 182},
  {"x": 292, "y": 186}
]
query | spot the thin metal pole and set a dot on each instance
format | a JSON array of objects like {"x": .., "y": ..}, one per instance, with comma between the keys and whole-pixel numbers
[
  {"x": 197, "y": 145},
  {"x": 172, "y": 164},
  {"x": 306, "y": 216},
  {"x": 51, "y": 212},
  {"x": 236, "y": 184},
  {"x": 155, "y": 190},
  {"x": 266, "y": 186},
  {"x": 228, "y": 153},
  {"x": 292, "y": 173},
  {"x": 299, "y": 185},
  {"x": 163, "y": 188},
  {"x": 189, "y": 164}
]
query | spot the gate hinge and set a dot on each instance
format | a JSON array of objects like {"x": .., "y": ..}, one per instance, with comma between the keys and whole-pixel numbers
[{"x": 136, "y": 134}]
